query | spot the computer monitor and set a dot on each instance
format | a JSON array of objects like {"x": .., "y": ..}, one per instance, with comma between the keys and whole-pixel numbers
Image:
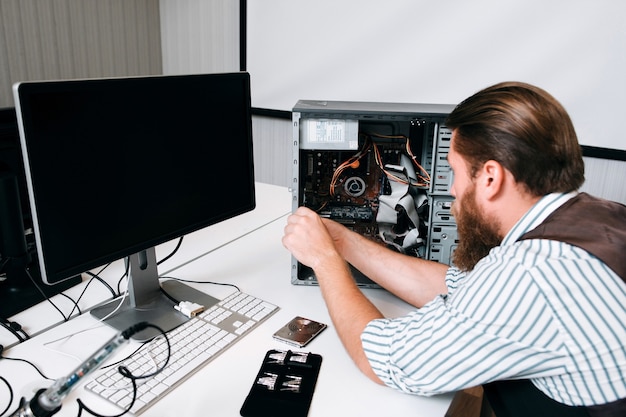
[{"x": 117, "y": 166}]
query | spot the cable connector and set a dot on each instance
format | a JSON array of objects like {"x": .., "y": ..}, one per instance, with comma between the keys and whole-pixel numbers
[{"x": 189, "y": 309}]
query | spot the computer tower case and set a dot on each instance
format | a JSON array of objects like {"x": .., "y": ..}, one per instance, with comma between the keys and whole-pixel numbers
[{"x": 381, "y": 169}]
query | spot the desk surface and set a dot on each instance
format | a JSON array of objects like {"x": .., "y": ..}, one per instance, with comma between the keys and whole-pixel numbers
[
  {"x": 272, "y": 202},
  {"x": 256, "y": 261}
]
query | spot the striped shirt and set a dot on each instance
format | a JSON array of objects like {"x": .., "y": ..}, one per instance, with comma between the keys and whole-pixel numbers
[{"x": 535, "y": 309}]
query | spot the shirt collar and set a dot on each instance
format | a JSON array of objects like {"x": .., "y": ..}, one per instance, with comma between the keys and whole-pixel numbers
[{"x": 537, "y": 214}]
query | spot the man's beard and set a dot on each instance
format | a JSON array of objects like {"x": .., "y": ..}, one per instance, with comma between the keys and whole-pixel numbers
[{"x": 478, "y": 233}]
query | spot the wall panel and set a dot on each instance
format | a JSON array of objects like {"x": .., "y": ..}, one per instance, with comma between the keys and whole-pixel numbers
[
  {"x": 200, "y": 36},
  {"x": 64, "y": 39},
  {"x": 605, "y": 178}
]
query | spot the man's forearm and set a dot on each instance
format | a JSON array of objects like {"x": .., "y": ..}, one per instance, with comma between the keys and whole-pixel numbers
[
  {"x": 417, "y": 281},
  {"x": 349, "y": 310}
]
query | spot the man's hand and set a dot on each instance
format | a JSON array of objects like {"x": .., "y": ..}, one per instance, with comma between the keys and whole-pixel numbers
[{"x": 308, "y": 239}]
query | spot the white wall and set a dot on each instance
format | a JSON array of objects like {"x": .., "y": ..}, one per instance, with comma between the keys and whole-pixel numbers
[{"x": 442, "y": 51}]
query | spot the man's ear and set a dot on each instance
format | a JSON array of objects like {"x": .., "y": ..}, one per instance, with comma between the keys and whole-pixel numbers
[{"x": 492, "y": 178}]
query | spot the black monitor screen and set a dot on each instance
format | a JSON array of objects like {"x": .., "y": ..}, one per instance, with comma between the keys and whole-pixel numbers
[{"x": 116, "y": 166}]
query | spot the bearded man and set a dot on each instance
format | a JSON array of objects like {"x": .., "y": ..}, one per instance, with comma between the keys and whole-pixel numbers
[{"x": 534, "y": 307}]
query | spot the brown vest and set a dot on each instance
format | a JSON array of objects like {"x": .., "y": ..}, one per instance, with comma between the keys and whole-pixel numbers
[
  {"x": 599, "y": 227},
  {"x": 590, "y": 223}
]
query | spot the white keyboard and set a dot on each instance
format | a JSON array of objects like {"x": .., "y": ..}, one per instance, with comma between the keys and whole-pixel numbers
[{"x": 193, "y": 344}]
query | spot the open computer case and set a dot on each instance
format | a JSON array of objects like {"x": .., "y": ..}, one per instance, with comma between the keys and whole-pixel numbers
[{"x": 380, "y": 169}]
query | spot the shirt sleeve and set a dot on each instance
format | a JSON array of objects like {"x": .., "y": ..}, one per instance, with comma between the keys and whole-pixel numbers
[{"x": 440, "y": 348}]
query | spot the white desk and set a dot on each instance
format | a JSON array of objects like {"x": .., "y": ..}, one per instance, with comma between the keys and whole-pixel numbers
[
  {"x": 259, "y": 265},
  {"x": 272, "y": 202}
]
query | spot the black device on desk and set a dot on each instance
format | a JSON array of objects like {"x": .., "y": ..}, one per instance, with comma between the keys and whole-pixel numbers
[
  {"x": 117, "y": 166},
  {"x": 20, "y": 282}
]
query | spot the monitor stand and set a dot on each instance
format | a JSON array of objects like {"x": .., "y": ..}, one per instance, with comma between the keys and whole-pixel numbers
[{"x": 146, "y": 301}]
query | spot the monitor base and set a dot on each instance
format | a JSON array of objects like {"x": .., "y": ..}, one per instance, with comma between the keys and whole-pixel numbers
[{"x": 159, "y": 311}]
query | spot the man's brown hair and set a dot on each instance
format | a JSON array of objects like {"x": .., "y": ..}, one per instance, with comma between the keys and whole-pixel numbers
[{"x": 526, "y": 130}]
